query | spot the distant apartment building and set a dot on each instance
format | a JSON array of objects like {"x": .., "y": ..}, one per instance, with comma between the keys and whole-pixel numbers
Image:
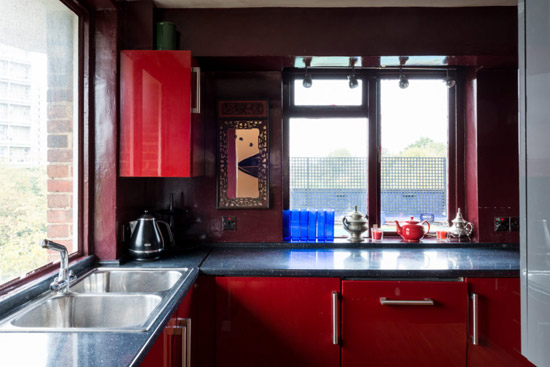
[{"x": 22, "y": 107}]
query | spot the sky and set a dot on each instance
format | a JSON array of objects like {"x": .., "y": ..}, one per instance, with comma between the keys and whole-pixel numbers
[{"x": 407, "y": 115}]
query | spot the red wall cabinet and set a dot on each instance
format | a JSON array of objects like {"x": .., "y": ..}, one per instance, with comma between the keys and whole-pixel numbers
[
  {"x": 394, "y": 323},
  {"x": 495, "y": 315},
  {"x": 159, "y": 134},
  {"x": 276, "y": 322}
]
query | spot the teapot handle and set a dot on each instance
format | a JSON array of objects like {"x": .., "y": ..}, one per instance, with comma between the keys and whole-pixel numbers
[
  {"x": 345, "y": 223},
  {"x": 428, "y": 223},
  {"x": 169, "y": 231},
  {"x": 470, "y": 227}
]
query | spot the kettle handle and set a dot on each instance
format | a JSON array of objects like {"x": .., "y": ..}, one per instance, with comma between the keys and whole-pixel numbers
[
  {"x": 428, "y": 223},
  {"x": 169, "y": 231}
]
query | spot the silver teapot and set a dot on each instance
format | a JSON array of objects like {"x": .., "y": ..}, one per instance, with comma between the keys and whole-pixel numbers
[
  {"x": 355, "y": 224},
  {"x": 460, "y": 228}
]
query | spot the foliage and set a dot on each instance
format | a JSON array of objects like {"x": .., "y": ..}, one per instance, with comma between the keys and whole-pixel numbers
[
  {"x": 340, "y": 152},
  {"x": 424, "y": 147},
  {"x": 23, "y": 210}
]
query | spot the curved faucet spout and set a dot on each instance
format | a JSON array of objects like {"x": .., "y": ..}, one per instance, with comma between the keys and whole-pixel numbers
[{"x": 61, "y": 283}]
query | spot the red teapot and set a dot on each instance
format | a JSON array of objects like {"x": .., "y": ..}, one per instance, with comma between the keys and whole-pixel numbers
[{"x": 412, "y": 231}]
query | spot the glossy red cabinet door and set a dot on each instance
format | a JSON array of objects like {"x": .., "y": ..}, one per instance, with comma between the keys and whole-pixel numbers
[
  {"x": 498, "y": 323},
  {"x": 275, "y": 322},
  {"x": 157, "y": 130},
  {"x": 402, "y": 335}
]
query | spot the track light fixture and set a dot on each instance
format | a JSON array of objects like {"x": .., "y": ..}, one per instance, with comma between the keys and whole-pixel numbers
[
  {"x": 403, "y": 80},
  {"x": 308, "y": 81},
  {"x": 352, "y": 79},
  {"x": 449, "y": 81}
]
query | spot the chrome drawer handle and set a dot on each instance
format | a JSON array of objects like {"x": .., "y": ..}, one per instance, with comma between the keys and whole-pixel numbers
[
  {"x": 335, "y": 314},
  {"x": 475, "y": 319},
  {"x": 404, "y": 302}
]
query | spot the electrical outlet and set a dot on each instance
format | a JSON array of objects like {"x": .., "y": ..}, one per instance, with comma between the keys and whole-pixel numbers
[
  {"x": 514, "y": 224},
  {"x": 229, "y": 223},
  {"x": 502, "y": 224}
]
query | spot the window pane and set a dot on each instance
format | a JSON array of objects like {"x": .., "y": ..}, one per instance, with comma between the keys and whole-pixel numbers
[
  {"x": 327, "y": 93},
  {"x": 414, "y": 123},
  {"x": 38, "y": 133},
  {"x": 328, "y": 166}
]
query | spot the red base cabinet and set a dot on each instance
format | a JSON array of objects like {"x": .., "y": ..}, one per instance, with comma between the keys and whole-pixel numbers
[
  {"x": 188, "y": 339},
  {"x": 159, "y": 136},
  {"x": 276, "y": 322},
  {"x": 497, "y": 323},
  {"x": 406, "y": 330}
]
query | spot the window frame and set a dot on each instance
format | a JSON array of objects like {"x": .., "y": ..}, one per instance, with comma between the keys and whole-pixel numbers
[
  {"x": 83, "y": 141},
  {"x": 370, "y": 108}
]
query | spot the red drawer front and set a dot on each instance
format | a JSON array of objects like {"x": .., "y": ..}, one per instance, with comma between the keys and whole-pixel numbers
[{"x": 382, "y": 335}]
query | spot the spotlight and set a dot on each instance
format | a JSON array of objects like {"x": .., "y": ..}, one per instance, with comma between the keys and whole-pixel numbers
[
  {"x": 307, "y": 82},
  {"x": 449, "y": 82},
  {"x": 403, "y": 81},
  {"x": 353, "y": 83}
]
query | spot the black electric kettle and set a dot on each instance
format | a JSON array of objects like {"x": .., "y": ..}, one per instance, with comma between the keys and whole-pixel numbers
[{"x": 146, "y": 239}]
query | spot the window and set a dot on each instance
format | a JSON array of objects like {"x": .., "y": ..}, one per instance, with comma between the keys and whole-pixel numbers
[
  {"x": 377, "y": 146},
  {"x": 39, "y": 173}
]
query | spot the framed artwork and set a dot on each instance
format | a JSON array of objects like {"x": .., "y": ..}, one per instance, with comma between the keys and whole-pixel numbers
[{"x": 243, "y": 154}]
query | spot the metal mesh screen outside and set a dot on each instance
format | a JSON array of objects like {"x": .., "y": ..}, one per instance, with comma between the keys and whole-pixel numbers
[
  {"x": 410, "y": 185},
  {"x": 337, "y": 183}
]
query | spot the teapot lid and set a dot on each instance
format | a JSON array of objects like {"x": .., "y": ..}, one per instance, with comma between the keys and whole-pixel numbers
[
  {"x": 356, "y": 216},
  {"x": 411, "y": 221},
  {"x": 459, "y": 218},
  {"x": 146, "y": 216}
]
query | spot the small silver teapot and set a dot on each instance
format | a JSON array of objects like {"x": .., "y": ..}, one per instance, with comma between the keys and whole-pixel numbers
[
  {"x": 355, "y": 224},
  {"x": 460, "y": 228}
]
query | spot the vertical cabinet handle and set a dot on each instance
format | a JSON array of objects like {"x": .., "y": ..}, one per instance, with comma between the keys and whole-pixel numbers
[
  {"x": 182, "y": 328},
  {"x": 197, "y": 107},
  {"x": 475, "y": 319},
  {"x": 335, "y": 314}
]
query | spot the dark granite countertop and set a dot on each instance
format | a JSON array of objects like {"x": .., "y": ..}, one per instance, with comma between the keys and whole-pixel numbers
[
  {"x": 406, "y": 261},
  {"x": 104, "y": 349},
  {"x": 367, "y": 260}
]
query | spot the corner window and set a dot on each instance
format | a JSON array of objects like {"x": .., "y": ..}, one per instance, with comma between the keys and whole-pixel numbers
[
  {"x": 377, "y": 146},
  {"x": 39, "y": 134}
]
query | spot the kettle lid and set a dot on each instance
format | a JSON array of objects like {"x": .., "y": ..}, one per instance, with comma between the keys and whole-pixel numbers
[{"x": 146, "y": 216}]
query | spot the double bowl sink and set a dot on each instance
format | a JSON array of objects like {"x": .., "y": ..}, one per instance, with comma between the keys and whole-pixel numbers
[{"x": 104, "y": 299}]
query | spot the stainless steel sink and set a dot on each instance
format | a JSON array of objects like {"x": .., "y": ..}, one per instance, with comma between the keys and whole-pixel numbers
[
  {"x": 104, "y": 299},
  {"x": 90, "y": 311},
  {"x": 127, "y": 281}
]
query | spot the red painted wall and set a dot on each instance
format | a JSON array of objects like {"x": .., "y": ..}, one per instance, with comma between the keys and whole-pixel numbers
[
  {"x": 284, "y": 32},
  {"x": 346, "y": 31},
  {"x": 497, "y": 151}
]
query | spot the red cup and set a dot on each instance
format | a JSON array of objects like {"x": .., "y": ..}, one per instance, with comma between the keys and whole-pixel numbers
[
  {"x": 377, "y": 234},
  {"x": 441, "y": 235}
]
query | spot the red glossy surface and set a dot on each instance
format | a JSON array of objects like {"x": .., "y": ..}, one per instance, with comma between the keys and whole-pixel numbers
[
  {"x": 382, "y": 335},
  {"x": 275, "y": 322},
  {"x": 412, "y": 231},
  {"x": 156, "y": 131},
  {"x": 499, "y": 323}
]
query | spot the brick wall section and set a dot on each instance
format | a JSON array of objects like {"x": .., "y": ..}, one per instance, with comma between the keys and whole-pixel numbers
[{"x": 60, "y": 133}]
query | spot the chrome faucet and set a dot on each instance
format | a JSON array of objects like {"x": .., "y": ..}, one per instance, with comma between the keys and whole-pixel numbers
[{"x": 61, "y": 283}]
